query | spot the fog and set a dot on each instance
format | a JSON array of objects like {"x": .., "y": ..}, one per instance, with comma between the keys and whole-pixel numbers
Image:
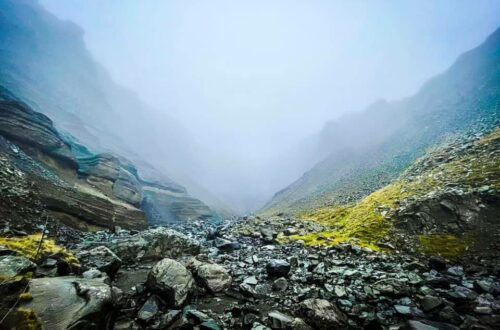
[{"x": 253, "y": 82}]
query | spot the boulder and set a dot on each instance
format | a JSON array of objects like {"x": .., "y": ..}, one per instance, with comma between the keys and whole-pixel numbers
[
  {"x": 323, "y": 315},
  {"x": 279, "y": 320},
  {"x": 101, "y": 258},
  {"x": 214, "y": 277},
  {"x": 11, "y": 266},
  {"x": 154, "y": 244},
  {"x": 172, "y": 281},
  {"x": 71, "y": 302},
  {"x": 278, "y": 268},
  {"x": 150, "y": 309}
]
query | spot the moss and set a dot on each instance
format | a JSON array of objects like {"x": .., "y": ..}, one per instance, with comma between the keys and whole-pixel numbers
[
  {"x": 365, "y": 223},
  {"x": 27, "y": 319},
  {"x": 444, "y": 245},
  {"x": 28, "y": 245},
  {"x": 26, "y": 296}
]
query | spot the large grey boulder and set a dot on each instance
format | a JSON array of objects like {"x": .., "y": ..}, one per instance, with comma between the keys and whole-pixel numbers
[
  {"x": 322, "y": 314},
  {"x": 172, "y": 281},
  {"x": 214, "y": 277},
  {"x": 11, "y": 266},
  {"x": 71, "y": 302},
  {"x": 154, "y": 244},
  {"x": 101, "y": 258}
]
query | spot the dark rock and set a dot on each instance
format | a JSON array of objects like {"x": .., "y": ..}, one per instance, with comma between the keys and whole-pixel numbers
[
  {"x": 278, "y": 268},
  {"x": 448, "y": 314},
  {"x": 150, "y": 309},
  {"x": 226, "y": 245},
  {"x": 281, "y": 284},
  {"x": 429, "y": 303},
  {"x": 427, "y": 325},
  {"x": 437, "y": 263}
]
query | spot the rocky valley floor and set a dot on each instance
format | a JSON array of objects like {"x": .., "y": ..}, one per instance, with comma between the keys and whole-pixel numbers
[{"x": 207, "y": 277}]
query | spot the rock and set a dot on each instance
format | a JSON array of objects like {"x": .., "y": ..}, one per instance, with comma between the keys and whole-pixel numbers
[
  {"x": 11, "y": 266},
  {"x": 427, "y": 325},
  {"x": 278, "y": 268},
  {"x": 226, "y": 245},
  {"x": 429, "y": 303},
  {"x": 340, "y": 291},
  {"x": 154, "y": 244},
  {"x": 102, "y": 259},
  {"x": 19, "y": 123},
  {"x": 437, "y": 263},
  {"x": 392, "y": 287},
  {"x": 172, "y": 281},
  {"x": 281, "y": 284},
  {"x": 252, "y": 280},
  {"x": 70, "y": 302},
  {"x": 460, "y": 293},
  {"x": 94, "y": 273},
  {"x": 279, "y": 320},
  {"x": 150, "y": 309},
  {"x": 259, "y": 326},
  {"x": 321, "y": 314},
  {"x": 214, "y": 277},
  {"x": 448, "y": 314}
]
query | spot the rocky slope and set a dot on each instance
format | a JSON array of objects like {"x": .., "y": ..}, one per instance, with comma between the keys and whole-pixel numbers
[
  {"x": 236, "y": 277},
  {"x": 365, "y": 151}
]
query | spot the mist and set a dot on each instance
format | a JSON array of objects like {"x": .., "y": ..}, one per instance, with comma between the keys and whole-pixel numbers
[{"x": 254, "y": 82}]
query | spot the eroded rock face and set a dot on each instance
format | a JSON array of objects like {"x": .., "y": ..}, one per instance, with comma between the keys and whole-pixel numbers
[
  {"x": 171, "y": 280},
  {"x": 67, "y": 302},
  {"x": 20, "y": 124}
]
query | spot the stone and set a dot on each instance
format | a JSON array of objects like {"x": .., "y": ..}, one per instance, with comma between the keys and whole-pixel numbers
[
  {"x": 448, "y": 314},
  {"x": 252, "y": 280},
  {"x": 226, "y": 245},
  {"x": 11, "y": 266},
  {"x": 278, "y": 268},
  {"x": 154, "y": 244},
  {"x": 150, "y": 309},
  {"x": 214, "y": 277},
  {"x": 437, "y": 263},
  {"x": 172, "y": 281},
  {"x": 279, "y": 320},
  {"x": 427, "y": 325},
  {"x": 70, "y": 302},
  {"x": 322, "y": 314},
  {"x": 392, "y": 287},
  {"x": 429, "y": 303},
  {"x": 101, "y": 258},
  {"x": 281, "y": 284}
]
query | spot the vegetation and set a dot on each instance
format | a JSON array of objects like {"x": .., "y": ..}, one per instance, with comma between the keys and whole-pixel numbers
[
  {"x": 370, "y": 220},
  {"x": 28, "y": 246}
]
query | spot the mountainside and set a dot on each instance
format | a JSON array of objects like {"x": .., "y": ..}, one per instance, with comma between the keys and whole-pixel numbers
[
  {"x": 369, "y": 149},
  {"x": 44, "y": 64}
]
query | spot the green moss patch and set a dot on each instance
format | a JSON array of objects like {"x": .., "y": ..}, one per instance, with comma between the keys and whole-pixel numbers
[
  {"x": 444, "y": 245},
  {"x": 28, "y": 246}
]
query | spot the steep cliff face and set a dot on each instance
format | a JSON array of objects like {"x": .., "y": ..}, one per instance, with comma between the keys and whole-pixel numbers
[
  {"x": 44, "y": 64},
  {"x": 80, "y": 189},
  {"x": 39, "y": 174},
  {"x": 366, "y": 151}
]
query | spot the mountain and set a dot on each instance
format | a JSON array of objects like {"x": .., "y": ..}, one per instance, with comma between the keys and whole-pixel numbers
[
  {"x": 366, "y": 151},
  {"x": 45, "y": 65}
]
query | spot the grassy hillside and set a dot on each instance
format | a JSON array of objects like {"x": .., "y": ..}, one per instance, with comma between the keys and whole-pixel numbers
[
  {"x": 467, "y": 167},
  {"x": 370, "y": 149}
]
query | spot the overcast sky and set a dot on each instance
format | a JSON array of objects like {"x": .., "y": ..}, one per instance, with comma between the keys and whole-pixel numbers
[{"x": 250, "y": 79}]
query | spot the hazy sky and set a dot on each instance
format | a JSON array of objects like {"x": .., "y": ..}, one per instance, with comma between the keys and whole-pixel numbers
[{"x": 250, "y": 79}]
